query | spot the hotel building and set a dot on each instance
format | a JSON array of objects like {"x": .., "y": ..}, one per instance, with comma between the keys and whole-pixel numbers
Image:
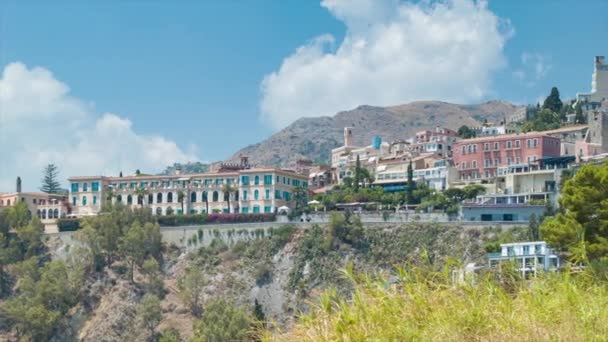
[
  {"x": 486, "y": 157},
  {"x": 252, "y": 190},
  {"x": 530, "y": 257}
]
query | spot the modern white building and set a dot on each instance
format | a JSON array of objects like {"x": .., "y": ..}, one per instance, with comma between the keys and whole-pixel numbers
[
  {"x": 599, "y": 86},
  {"x": 253, "y": 190},
  {"x": 530, "y": 257}
]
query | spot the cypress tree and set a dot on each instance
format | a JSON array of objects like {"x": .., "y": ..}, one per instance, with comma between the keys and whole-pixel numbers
[
  {"x": 553, "y": 102},
  {"x": 50, "y": 184}
]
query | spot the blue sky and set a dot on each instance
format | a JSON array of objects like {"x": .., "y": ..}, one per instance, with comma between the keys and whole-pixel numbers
[{"x": 191, "y": 72}]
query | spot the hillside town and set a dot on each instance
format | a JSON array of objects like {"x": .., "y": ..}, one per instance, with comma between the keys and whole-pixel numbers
[{"x": 519, "y": 172}]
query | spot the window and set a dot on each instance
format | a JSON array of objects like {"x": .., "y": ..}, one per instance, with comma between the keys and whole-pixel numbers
[
  {"x": 518, "y": 160},
  {"x": 510, "y": 251},
  {"x": 43, "y": 214},
  {"x": 132, "y": 185},
  {"x": 73, "y": 201},
  {"x": 487, "y": 174},
  {"x": 277, "y": 194},
  {"x": 487, "y": 163},
  {"x": 119, "y": 198},
  {"x": 284, "y": 181},
  {"x": 95, "y": 186},
  {"x": 193, "y": 197},
  {"x": 256, "y": 209},
  {"x": 150, "y": 198},
  {"x": 529, "y": 143},
  {"x": 535, "y": 142},
  {"x": 205, "y": 198},
  {"x": 256, "y": 194},
  {"x": 256, "y": 180},
  {"x": 159, "y": 198},
  {"x": 267, "y": 194},
  {"x": 474, "y": 148},
  {"x": 537, "y": 249},
  {"x": 34, "y": 201},
  {"x": 245, "y": 180},
  {"x": 496, "y": 162},
  {"x": 267, "y": 179},
  {"x": 486, "y": 146},
  {"x": 464, "y": 165},
  {"x": 470, "y": 148},
  {"x": 74, "y": 187},
  {"x": 509, "y": 144},
  {"x": 474, "y": 165},
  {"x": 464, "y": 150},
  {"x": 267, "y": 209},
  {"x": 517, "y": 145},
  {"x": 245, "y": 210},
  {"x": 244, "y": 195},
  {"x": 509, "y": 160},
  {"x": 94, "y": 200},
  {"x": 85, "y": 187},
  {"x": 56, "y": 213},
  {"x": 495, "y": 146},
  {"x": 84, "y": 200},
  {"x": 170, "y": 197},
  {"x": 218, "y": 181},
  {"x": 216, "y": 196},
  {"x": 507, "y": 217},
  {"x": 129, "y": 199}
]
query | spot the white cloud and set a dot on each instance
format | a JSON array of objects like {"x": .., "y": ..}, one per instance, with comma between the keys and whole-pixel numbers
[
  {"x": 41, "y": 123},
  {"x": 535, "y": 67},
  {"x": 393, "y": 52}
]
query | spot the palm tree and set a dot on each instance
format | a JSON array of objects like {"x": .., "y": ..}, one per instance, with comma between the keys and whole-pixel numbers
[
  {"x": 141, "y": 193},
  {"x": 206, "y": 200},
  {"x": 227, "y": 189},
  {"x": 300, "y": 196},
  {"x": 180, "y": 199}
]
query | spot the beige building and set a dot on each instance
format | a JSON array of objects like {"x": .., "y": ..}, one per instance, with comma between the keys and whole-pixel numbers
[{"x": 253, "y": 190}]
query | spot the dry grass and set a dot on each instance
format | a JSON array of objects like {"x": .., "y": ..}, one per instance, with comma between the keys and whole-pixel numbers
[{"x": 425, "y": 306}]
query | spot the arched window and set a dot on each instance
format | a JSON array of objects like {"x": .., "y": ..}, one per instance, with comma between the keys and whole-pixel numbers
[
  {"x": 226, "y": 196},
  {"x": 159, "y": 211},
  {"x": 169, "y": 211},
  {"x": 84, "y": 200},
  {"x": 256, "y": 194},
  {"x": 193, "y": 197},
  {"x": 43, "y": 214},
  {"x": 169, "y": 198},
  {"x": 215, "y": 196},
  {"x": 159, "y": 197},
  {"x": 256, "y": 180},
  {"x": 119, "y": 198},
  {"x": 150, "y": 198},
  {"x": 140, "y": 199},
  {"x": 205, "y": 199},
  {"x": 56, "y": 213},
  {"x": 129, "y": 199}
]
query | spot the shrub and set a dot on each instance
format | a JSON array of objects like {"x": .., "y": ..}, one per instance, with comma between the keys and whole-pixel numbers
[{"x": 195, "y": 219}]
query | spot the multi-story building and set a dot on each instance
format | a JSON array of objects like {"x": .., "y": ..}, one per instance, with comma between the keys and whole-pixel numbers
[
  {"x": 599, "y": 86},
  {"x": 251, "y": 190},
  {"x": 480, "y": 158},
  {"x": 47, "y": 207},
  {"x": 438, "y": 141},
  {"x": 344, "y": 158},
  {"x": 595, "y": 142},
  {"x": 530, "y": 257}
]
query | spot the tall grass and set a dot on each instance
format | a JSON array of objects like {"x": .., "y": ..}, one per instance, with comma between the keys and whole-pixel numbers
[{"x": 419, "y": 305}]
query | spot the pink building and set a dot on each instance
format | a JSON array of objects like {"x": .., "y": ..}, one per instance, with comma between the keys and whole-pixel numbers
[{"x": 482, "y": 158}]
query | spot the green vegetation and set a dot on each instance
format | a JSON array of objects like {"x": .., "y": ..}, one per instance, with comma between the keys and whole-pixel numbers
[
  {"x": 222, "y": 321},
  {"x": 420, "y": 304},
  {"x": 50, "y": 184},
  {"x": 465, "y": 132},
  {"x": 580, "y": 229}
]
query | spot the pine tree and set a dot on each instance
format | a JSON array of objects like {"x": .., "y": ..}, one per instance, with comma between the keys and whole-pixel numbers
[
  {"x": 50, "y": 184},
  {"x": 553, "y": 102}
]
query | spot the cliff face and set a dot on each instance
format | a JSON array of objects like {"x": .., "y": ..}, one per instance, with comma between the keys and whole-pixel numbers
[{"x": 313, "y": 138}]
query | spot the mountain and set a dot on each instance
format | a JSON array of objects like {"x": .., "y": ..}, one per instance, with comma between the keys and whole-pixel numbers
[{"x": 314, "y": 138}]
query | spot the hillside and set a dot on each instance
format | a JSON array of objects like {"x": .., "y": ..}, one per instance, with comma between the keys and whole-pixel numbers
[{"x": 314, "y": 138}]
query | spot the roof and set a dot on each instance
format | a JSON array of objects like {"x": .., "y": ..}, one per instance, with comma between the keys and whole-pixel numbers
[{"x": 566, "y": 129}]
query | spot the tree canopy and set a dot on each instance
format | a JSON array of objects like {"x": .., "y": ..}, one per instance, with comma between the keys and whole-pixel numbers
[
  {"x": 553, "y": 102},
  {"x": 50, "y": 183},
  {"x": 581, "y": 228},
  {"x": 465, "y": 132}
]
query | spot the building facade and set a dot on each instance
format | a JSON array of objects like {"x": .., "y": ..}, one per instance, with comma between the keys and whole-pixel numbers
[
  {"x": 599, "y": 86},
  {"x": 481, "y": 158},
  {"x": 251, "y": 190},
  {"x": 530, "y": 257}
]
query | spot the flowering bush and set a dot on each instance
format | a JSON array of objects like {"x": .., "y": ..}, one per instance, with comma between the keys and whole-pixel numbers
[{"x": 181, "y": 220}]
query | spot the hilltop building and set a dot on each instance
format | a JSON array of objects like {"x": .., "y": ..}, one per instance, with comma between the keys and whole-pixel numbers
[
  {"x": 47, "y": 207},
  {"x": 254, "y": 190},
  {"x": 599, "y": 86},
  {"x": 595, "y": 141}
]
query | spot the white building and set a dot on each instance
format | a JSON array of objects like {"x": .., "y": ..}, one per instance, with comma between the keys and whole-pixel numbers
[
  {"x": 530, "y": 257},
  {"x": 254, "y": 190},
  {"x": 599, "y": 86}
]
